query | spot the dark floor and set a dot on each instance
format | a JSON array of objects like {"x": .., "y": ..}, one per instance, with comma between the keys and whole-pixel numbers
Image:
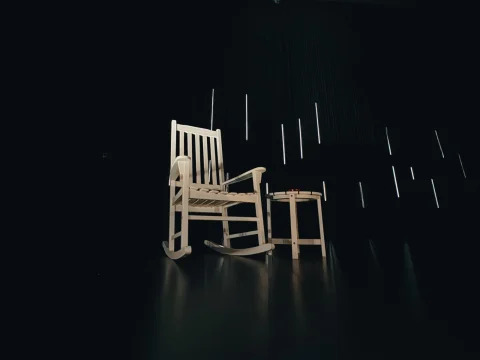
[{"x": 213, "y": 306}]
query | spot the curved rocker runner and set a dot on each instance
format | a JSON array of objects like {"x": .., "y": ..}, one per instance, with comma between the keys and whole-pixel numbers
[
  {"x": 239, "y": 252},
  {"x": 199, "y": 175}
]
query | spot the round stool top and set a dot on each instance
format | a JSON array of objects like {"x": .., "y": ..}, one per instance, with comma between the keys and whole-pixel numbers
[{"x": 300, "y": 195}]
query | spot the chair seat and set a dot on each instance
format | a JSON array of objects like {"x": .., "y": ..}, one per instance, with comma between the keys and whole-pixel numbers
[{"x": 223, "y": 198}]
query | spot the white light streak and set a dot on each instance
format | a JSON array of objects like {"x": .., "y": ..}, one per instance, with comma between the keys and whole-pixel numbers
[
  {"x": 300, "y": 133},
  {"x": 246, "y": 117},
  {"x": 388, "y": 141},
  {"x": 411, "y": 169},
  {"x": 435, "y": 193},
  {"x": 395, "y": 178},
  {"x": 440, "y": 145},
  {"x": 318, "y": 127},
  {"x": 361, "y": 193},
  {"x": 211, "y": 115},
  {"x": 283, "y": 143},
  {"x": 324, "y": 191},
  {"x": 267, "y": 188},
  {"x": 461, "y": 164}
]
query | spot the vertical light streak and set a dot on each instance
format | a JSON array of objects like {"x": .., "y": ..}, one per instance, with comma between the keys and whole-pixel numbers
[
  {"x": 267, "y": 188},
  {"x": 395, "y": 178},
  {"x": 461, "y": 164},
  {"x": 246, "y": 117},
  {"x": 318, "y": 127},
  {"x": 324, "y": 191},
  {"x": 388, "y": 141},
  {"x": 283, "y": 143},
  {"x": 361, "y": 193},
  {"x": 435, "y": 193},
  {"x": 300, "y": 133},
  {"x": 440, "y": 145},
  {"x": 211, "y": 115},
  {"x": 411, "y": 169}
]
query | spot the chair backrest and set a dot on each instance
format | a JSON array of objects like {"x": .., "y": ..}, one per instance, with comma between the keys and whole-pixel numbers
[{"x": 201, "y": 145}]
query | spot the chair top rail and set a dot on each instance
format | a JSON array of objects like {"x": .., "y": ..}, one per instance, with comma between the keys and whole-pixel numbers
[{"x": 196, "y": 130}]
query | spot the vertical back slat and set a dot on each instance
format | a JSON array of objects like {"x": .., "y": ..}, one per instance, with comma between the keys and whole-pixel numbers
[
  {"x": 214, "y": 161},
  {"x": 189, "y": 152},
  {"x": 173, "y": 142},
  {"x": 205, "y": 160},
  {"x": 182, "y": 143},
  {"x": 221, "y": 170},
  {"x": 198, "y": 176},
  {"x": 173, "y": 145}
]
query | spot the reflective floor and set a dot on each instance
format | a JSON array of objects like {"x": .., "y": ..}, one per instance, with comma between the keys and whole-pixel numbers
[{"x": 213, "y": 306}]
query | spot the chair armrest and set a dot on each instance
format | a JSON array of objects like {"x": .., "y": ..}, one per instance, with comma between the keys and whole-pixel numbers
[
  {"x": 244, "y": 176},
  {"x": 175, "y": 170}
]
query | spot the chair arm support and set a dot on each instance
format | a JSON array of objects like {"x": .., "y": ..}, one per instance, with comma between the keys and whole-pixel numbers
[
  {"x": 244, "y": 176},
  {"x": 175, "y": 170}
]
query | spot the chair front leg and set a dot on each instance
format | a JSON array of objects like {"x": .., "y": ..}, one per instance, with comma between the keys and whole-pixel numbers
[
  {"x": 171, "y": 226},
  {"x": 257, "y": 179},
  {"x": 185, "y": 171}
]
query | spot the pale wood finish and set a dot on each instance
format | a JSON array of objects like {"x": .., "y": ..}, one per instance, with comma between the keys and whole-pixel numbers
[
  {"x": 214, "y": 161},
  {"x": 181, "y": 139},
  {"x": 239, "y": 252},
  {"x": 197, "y": 195},
  {"x": 294, "y": 226},
  {"x": 196, "y": 209},
  {"x": 205, "y": 160},
  {"x": 292, "y": 197},
  {"x": 221, "y": 170},
  {"x": 320, "y": 222},
  {"x": 185, "y": 169},
  {"x": 221, "y": 218},
  {"x": 197, "y": 185},
  {"x": 226, "y": 228},
  {"x": 175, "y": 255},
  {"x": 248, "y": 233},
  {"x": 189, "y": 152},
  {"x": 198, "y": 171},
  {"x": 257, "y": 179},
  {"x": 269, "y": 220},
  {"x": 285, "y": 241},
  {"x": 244, "y": 176},
  {"x": 173, "y": 150},
  {"x": 196, "y": 130}
]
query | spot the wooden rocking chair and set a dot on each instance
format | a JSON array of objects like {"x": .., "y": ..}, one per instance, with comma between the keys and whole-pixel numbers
[{"x": 199, "y": 194}]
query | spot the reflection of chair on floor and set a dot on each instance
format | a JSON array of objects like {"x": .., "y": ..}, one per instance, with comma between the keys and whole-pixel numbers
[
  {"x": 176, "y": 286},
  {"x": 233, "y": 287},
  {"x": 200, "y": 193}
]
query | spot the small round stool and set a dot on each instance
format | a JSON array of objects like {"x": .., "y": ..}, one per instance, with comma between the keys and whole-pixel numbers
[{"x": 292, "y": 197}]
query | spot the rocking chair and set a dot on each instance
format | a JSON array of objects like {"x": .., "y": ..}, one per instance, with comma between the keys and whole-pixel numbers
[{"x": 201, "y": 193}]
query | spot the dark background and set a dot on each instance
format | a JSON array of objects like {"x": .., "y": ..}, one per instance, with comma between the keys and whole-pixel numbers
[{"x": 130, "y": 71}]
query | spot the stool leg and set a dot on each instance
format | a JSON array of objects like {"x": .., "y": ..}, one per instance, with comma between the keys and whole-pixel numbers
[
  {"x": 269, "y": 223},
  {"x": 320, "y": 221},
  {"x": 294, "y": 226}
]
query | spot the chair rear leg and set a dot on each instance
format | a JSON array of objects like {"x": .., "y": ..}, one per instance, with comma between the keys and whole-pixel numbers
[{"x": 226, "y": 231}]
